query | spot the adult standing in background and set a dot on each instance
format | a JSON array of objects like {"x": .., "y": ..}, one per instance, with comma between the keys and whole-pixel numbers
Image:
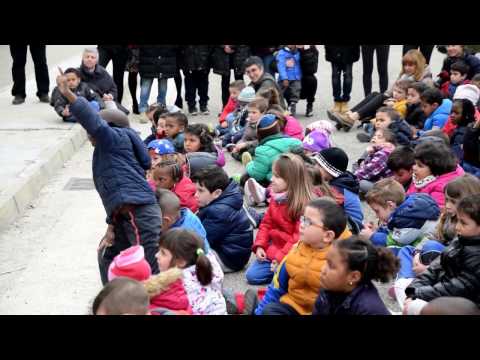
[
  {"x": 309, "y": 66},
  {"x": 426, "y": 50},
  {"x": 119, "y": 55},
  {"x": 39, "y": 57},
  {"x": 382, "y": 66},
  {"x": 266, "y": 53}
]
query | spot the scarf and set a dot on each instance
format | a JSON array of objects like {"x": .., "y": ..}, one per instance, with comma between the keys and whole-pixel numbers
[{"x": 420, "y": 184}]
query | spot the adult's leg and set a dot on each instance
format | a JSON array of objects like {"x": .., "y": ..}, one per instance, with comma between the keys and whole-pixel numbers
[
  {"x": 427, "y": 50},
  {"x": 162, "y": 91},
  {"x": 104, "y": 56},
  {"x": 367, "y": 60},
  {"x": 145, "y": 88},
  {"x": 132, "y": 87},
  {"x": 267, "y": 62},
  {"x": 295, "y": 87},
  {"x": 279, "y": 308},
  {"x": 347, "y": 82},
  {"x": 39, "y": 57},
  {"x": 202, "y": 86},
  {"x": 259, "y": 273},
  {"x": 407, "y": 48},
  {"x": 368, "y": 109},
  {"x": 367, "y": 99},
  {"x": 19, "y": 57},
  {"x": 309, "y": 88},
  {"x": 190, "y": 90},
  {"x": 336, "y": 85},
  {"x": 119, "y": 62},
  {"x": 382, "y": 66},
  {"x": 178, "y": 85},
  {"x": 225, "y": 86}
]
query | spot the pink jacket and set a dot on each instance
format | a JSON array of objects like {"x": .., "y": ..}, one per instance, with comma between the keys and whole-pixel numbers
[
  {"x": 435, "y": 188},
  {"x": 293, "y": 128}
]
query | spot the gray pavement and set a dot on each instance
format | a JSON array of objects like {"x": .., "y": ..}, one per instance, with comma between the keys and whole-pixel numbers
[{"x": 47, "y": 255}]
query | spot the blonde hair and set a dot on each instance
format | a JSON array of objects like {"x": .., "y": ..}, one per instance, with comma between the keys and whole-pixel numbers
[
  {"x": 386, "y": 190},
  {"x": 291, "y": 168},
  {"x": 414, "y": 57}
]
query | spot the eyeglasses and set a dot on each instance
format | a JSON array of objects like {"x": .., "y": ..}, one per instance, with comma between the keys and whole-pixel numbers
[{"x": 307, "y": 222}]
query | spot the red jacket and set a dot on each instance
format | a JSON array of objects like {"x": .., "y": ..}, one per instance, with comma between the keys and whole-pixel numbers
[
  {"x": 230, "y": 107},
  {"x": 174, "y": 298},
  {"x": 450, "y": 127},
  {"x": 277, "y": 232},
  {"x": 185, "y": 190}
]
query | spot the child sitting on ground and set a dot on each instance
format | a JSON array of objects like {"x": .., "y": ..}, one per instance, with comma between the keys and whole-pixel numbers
[
  {"x": 404, "y": 220},
  {"x": 316, "y": 141},
  {"x": 175, "y": 124},
  {"x": 289, "y": 125},
  {"x": 415, "y": 117},
  {"x": 200, "y": 150},
  {"x": 346, "y": 279},
  {"x": 399, "y": 98},
  {"x": 234, "y": 89},
  {"x": 464, "y": 92},
  {"x": 471, "y": 146},
  {"x": 457, "y": 271},
  {"x": 463, "y": 115},
  {"x": 436, "y": 109},
  {"x": 291, "y": 190},
  {"x": 400, "y": 162},
  {"x": 238, "y": 119},
  {"x": 161, "y": 150},
  {"x": 157, "y": 117},
  {"x": 297, "y": 283},
  {"x": 458, "y": 76},
  {"x": 80, "y": 88},
  {"x": 224, "y": 218}
]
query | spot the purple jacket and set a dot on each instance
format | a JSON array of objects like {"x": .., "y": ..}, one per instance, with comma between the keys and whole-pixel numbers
[{"x": 375, "y": 165}]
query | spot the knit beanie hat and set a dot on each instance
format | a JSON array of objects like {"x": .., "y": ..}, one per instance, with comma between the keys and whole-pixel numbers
[
  {"x": 334, "y": 160},
  {"x": 247, "y": 94},
  {"x": 115, "y": 117},
  {"x": 130, "y": 263},
  {"x": 268, "y": 125},
  {"x": 316, "y": 141},
  {"x": 321, "y": 125},
  {"x": 469, "y": 92},
  {"x": 161, "y": 147}
]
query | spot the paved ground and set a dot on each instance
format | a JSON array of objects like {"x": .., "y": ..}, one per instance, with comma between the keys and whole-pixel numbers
[{"x": 47, "y": 256}]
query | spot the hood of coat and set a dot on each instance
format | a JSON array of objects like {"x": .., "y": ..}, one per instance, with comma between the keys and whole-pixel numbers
[
  {"x": 231, "y": 196},
  {"x": 346, "y": 181},
  {"x": 414, "y": 212}
]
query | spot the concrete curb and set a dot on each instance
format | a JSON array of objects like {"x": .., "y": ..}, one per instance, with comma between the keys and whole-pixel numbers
[{"x": 15, "y": 200}]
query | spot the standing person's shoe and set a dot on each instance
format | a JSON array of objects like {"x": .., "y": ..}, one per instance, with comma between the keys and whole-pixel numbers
[
  {"x": 135, "y": 109},
  {"x": 44, "y": 98},
  {"x": 179, "y": 102},
  {"x": 192, "y": 110},
  {"x": 337, "y": 107},
  {"x": 293, "y": 109},
  {"x": 344, "y": 107},
  {"x": 309, "y": 112},
  {"x": 18, "y": 100},
  {"x": 204, "y": 110},
  {"x": 255, "y": 192},
  {"x": 246, "y": 158},
  {"x": 344, "y": 120},
  {"x": 143, "y": 119}
]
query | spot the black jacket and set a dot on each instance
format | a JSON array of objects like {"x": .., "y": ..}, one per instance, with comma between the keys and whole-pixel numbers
[
  {"x": 99, "y": 81},
  {"x": 158, "y": 61},
  {"x": 196, "y": 57},
  {"x": 471, "y": 60},
  {"x": 268, "y": 81},
  {"x": 58, "y": 101},
  {"x": 263, "y": 50},
  {"x": 222, "y": 64},
  {"x": 402, "y": 132},
  {"x": 455, "y": 273},
  {"x": 471, "y": 146},
  {"x": 415, "y": 115},
  {"x": 342, "y": 54},
  {"x": 309, "y": 60},
  {"x": 346, "y": 181}
]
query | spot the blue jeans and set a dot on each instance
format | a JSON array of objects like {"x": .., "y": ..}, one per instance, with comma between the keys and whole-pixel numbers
[
  {"x": 471, "y": 169},
  {"x": 259, "y": 273},
  {"x": 406, "y": 254},
  {"x": 146, "y": 86}
]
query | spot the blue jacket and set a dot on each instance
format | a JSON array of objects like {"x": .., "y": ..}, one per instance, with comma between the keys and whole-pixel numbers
[
  {"x": 439, "y": 117},
  {"x": 288, "y": 73},
  {"x": 178, "y": 142},
  {"x": 411, "y": 214},
  {"x": 189, "y": 221},
  {"x": 120, "y": 160},
  {"x": 348, "y": 185},
  {"x": 228, "y": 229},
  {"x": 363, "y": 300}
]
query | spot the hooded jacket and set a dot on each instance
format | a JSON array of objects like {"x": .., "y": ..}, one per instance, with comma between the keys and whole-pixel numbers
[
  {"x": 439, "y": 117},
  {"x": 288, "y": 73},
  {"x": 374, "y": 167},
  {"x": 309, "y": 60},
  {"x": 348, "y": 185},
  {"x": 229, "y": 231},
  {"x": 185, "y": 190},
  {"x": 401, "y": 131},
  {"x": 189, "y": 221},
  {"x": 293, "y": 128}
]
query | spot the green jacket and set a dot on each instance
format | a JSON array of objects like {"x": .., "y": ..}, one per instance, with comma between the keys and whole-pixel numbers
[{"x": 267, "y": 151}]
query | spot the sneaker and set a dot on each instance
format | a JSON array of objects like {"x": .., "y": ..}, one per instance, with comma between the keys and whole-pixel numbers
[
  {"x": 363, "y": 138},
  {"x": 192, "y": 110},
  {"x": 309, "y": 112},
  {"x": 251, "y": 302},
  {"x": 293, "y": 109},
  {"x": 204, "y": 110},
  {"x": 246, "y": 158},
  {"x": 255, "y": 191},
  {"x": 44, "y": 98},
  {"x": 18, "y": 100},
  {"x": 143, "y": 119},
  {"x": 252, "y": 216}
]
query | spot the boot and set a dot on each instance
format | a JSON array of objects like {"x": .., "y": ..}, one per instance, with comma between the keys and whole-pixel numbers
[
  {"x": 343, "y": 120},
  {"x": 344, "y": 107},
  {"x": 336, "y": 110},
  {"x": 309, "y": 111}
]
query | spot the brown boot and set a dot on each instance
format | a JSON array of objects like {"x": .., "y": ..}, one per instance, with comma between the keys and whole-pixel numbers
[
  {"x": 344, "y": 107},
  {"x": 337, "y": 108},
  {"x": 344, "y": 120}
]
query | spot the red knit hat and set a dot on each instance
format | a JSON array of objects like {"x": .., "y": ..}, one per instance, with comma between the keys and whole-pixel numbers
[{"x": 130, "y": 263}]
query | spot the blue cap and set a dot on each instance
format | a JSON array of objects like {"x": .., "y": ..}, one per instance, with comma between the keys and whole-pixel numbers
[
  {"x": 267, "y": 121},
  {"x": 162, "y": 147}
]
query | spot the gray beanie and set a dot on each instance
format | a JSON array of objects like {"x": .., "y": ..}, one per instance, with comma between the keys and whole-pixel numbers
[
  {"x": 247, "y": 94},
  {"x": 115, "y": 117},
  {"x": 468, "y": 92}
]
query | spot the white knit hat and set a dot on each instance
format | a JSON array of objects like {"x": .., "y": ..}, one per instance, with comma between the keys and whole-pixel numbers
[{"x": 469, "y": 92}]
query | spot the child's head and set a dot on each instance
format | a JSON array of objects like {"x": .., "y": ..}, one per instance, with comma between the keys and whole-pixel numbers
[
  {"x": 458, "y": 72},
  {"x": 476, "y": 80},
  {"x": 159, "y": 121},
  {"x": 468, "y": 215},
  {"x": 271, "y": 95},
  {"x": 447, "y": 305},
  {"x": 436, "y": 135},
  {"x": 383, "y": 136},
  {"x": 175, "y": 123},
  {"x": 431, "y": 99},
  {"x": 322, "y": 222},
  {"x": 130, "y": 263},
  {"x": 159, "y": 149},
  {"x": 415, "y": 90},
  {"x": 235, "y": 88},
  {"x": 122, "y": 296},
  {"x": 268, "y": 125},
  {"x": 198, "y": 138},
  {"x": 455, "y": 50},
  {"x": 352, "y": 262},
  {"x": 400, "y": 89},
  {"x": 385, "y": 116},
  {"x": 468, "y": 92},
  {"x": 183, "y": 248},
  {"x": 463, "y": 112},
  {"x": 166, "y": 174},
  {"x": 316, "y": 141},
  {"x": 256, "y": 109},
  {"x": 289, "y": 175},
  {"x": 332, "y": 162},
  {"x": 73, "y": 78},
  {"x": 210, "y": 182},
  {"x": 400, "y": 162},
  {"x": 170, "y": 205},
  {"x": 246, "y": 96},
  {"x": 459, "y": 188},
  {"x": 152, "y": 109},
  {"x": 384, "y": 197},
  {"x": 413, "y": 64},
  {"x": 433, "y": 158},
  {"x": 323, "y": 125}
]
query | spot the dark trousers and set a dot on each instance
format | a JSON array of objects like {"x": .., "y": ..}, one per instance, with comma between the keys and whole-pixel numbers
[
  {"x": 368, "y": 107},
  {"x": 132, "y": 86},
  {"x": 426, "y": 50},
  {"x": 309, "y": 88},
  {"x": 144, "y": 219},
  {"x": 39, "y": 57},
  {"x": 119, "y": 61},
  {"x": 337, "y": 69},
  {"x": 178, "y": 85},
  {"x": 279, "y": 308},
  {"x": 382, "y": 66},
  {"x": 226, "y": 85},
  {"x": 196, "y": 80},
  {"x": 291, "y": 94}
]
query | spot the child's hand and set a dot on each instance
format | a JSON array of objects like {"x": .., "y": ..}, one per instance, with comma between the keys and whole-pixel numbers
[
  {"x": 273, "y": 265},
  {"x": 238, "y": 147},
  {"x": 108, "y": 238},
  {"x": 66, "y": 112},
  {"x": 418, "y": 267},
  {"x": 389, "y": 102},
  {"x": 107, "y": 97},
  {"x": 261, "y": 254},
  {"x": 224, "y": 125},
  {"x": 285, "y": 83},
  {"x": 367, "y": 231},
  {"x": 62, "y": 83}
]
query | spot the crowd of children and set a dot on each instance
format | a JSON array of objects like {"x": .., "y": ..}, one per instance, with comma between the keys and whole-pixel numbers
[{"x": 177, "y": 222}]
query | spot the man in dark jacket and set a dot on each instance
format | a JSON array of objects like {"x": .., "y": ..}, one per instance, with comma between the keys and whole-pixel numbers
[
  {"x": 119, "y": 55},
  {"x": 120, "y": 160},
  {"x": 222, "y": 214},
  {"x": 261, "y": 80},
  {"x": 309, "y": 66}
]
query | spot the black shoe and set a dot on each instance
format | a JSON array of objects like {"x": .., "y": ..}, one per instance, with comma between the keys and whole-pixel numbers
[
  {"x": 309, "y": 112},
  {"x": 44, "y": 98},
  {"x": 204, "y": 110},
  {"x": 363, "y": 138},
  {"x": 135, "y": 109},
  {"x": 192, "y": 110},
  {"x": 18, "y": 100},
  {"x": 293, "y": 109},
  {"x": 179, "y": 103},
  {"x": 250, "y": 301}
]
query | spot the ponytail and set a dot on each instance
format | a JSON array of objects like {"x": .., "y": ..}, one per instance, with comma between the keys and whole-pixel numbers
[
  {"x": 203, "y": 268},
  {"x": 373, "y": 263}
]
